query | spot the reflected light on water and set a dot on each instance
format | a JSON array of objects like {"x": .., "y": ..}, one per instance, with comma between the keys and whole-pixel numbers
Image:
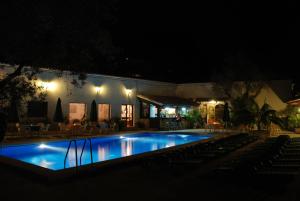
[
  {"x": 154, "y": 146},
  {"x": 44, "y": 146},
  {"x": 126, "y": 148},
  {"x": 170, "y": 144},
  {"x": 101, "y": 153},
  {"x": 71, "y": 159},
  {"x": 45, "y": 163}
]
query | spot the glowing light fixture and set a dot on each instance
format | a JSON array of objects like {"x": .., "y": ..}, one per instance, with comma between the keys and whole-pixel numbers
[
  {"x": 128, "y": 92},
  {"x": 213, "y": 102},
  {"x": 48, "y": 86},
  {"x": 98, "y": 90}
]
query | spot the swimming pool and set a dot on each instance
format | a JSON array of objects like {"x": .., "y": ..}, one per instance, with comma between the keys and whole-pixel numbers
[{"x": 51, "y": 155}]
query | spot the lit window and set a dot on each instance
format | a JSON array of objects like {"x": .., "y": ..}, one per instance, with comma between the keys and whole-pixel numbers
[
  {"x": 104, "y": 112},
  {"x": 168, "y": 112},
  {"x": 153, "y": 111}
]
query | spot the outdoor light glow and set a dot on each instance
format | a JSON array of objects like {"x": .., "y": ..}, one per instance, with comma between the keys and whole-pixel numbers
[
  {"x": 48, "y": 86},
  {"x": 213, "y": 102},
  {"x": 183, "y": 109},
  {"x": 98, "y": 90},
  {"x": 128, "y": 92},
  {"x": 42, "y": 146}
]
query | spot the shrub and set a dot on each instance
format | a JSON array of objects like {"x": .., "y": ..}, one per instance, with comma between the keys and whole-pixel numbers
[
  {"x": 117, "y": 123},
  {"x": 195, "y": 119}
]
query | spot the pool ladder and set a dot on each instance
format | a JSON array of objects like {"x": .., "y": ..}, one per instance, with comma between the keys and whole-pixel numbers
[{"x": 76, "y": 155}]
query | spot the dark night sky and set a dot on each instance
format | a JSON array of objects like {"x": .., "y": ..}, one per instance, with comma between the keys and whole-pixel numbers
[
  {"x": 179, "y": 39},
  {"x": 163, "y": 40}
]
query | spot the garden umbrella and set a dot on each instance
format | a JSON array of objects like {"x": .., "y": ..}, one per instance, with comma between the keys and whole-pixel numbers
[
  {"x": 13, "y": 114},
  {"x": 93, "y": 114},
  {"x": 58, "y": 115}
]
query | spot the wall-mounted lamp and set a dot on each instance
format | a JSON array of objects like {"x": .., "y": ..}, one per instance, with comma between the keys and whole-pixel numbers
[
  {"x": 213, "y": 102},
  {"x": 128, "y": 92},
  {"x": 98, "y": 90},
  {"x": 48, "y": 86}
]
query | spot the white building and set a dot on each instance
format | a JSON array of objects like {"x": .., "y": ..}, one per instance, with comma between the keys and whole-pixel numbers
[{"x": 133, "y": 99}]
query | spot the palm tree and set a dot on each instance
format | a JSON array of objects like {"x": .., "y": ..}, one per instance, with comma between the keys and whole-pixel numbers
[
  {"x": 247, "y": 112},
  {"x": 266, "y": 115}
]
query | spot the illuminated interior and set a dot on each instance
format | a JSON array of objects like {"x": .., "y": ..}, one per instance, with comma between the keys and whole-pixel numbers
[
  {"x": 153, "y": 111},
  {"x": 77, "y": 112},
  {"x": 168, "y": 112},
  {"x": 104, "y": 112},
  {"x": 212, "y": 111},
  {"x": 127, "y": 114}
]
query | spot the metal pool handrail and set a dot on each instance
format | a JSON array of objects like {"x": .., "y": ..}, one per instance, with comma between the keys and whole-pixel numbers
[
  {"x": 68, "y": 153},
  {"x": 91, "y": 150}
]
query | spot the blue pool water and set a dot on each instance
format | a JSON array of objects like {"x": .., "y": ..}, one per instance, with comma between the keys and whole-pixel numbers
[{"x": 51, "y": 154}]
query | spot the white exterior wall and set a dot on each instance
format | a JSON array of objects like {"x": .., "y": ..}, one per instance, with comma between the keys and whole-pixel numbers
[
  {"x": 113, "y": 91},
  {"x": 269, "y": 96}
]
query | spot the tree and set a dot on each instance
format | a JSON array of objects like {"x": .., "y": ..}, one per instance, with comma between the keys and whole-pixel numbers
[
  {"x": 195, "y": 118},
  {"x": 244, "y": 111},
  {"x": 291, "y": 117},
  {"x": 238, "y": 76},
  {"x": 226, "y": 115},
  {"x": 247, "y": 112},
  {"x": 266, "y": 116},
  {"x": 58, "y": 115},
  {"x": 71, "y": 36},
  {"x": 68, "y": 36}
]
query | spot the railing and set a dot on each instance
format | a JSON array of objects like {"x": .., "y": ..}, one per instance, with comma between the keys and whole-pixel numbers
[
  {"x": 70, "y": 143},
  {"x": 91, "y": 150},
  {"x": 76, "y": 155}
]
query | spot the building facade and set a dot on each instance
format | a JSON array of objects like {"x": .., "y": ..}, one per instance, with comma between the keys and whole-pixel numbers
[{"x": 132, "y": 100}]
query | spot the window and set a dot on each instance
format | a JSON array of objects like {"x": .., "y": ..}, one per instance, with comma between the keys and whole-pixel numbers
[
  {"x": 153, "y": 111},
  {"x": 127, "y": 114},
  {"x": 168, "y": 112},
  {"x": 37, "y": 109},
  {"x": 145, "y": 110},
  {"x": 77, "y": 112},
  {"x": 104, "y": 112},
  {"x": 183, "y": 111}
]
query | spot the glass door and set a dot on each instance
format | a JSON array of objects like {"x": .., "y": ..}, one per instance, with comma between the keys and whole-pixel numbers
[{"x": 127, "y": 114}]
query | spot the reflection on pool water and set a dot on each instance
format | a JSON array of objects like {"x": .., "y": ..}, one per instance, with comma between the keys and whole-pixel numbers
[{"x": 51, "y": 155}]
